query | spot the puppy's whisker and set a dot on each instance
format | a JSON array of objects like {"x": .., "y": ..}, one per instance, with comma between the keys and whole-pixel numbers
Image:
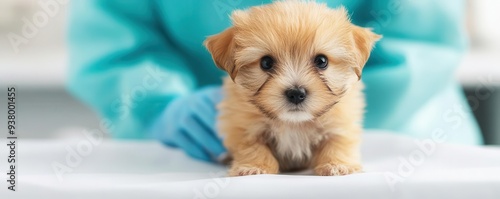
[
  {"x": 326, "y": 84},
  {"x": 262, "y": 86},
  {"x": 263, "y": 110},
  {"x": 342, "y": 92},
  {"x": 326, "y": 109}
]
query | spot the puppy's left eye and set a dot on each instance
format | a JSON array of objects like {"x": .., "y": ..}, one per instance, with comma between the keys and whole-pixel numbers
[
  {"x": 321, "y": 61},
  {"x": 266, "y": 63}
]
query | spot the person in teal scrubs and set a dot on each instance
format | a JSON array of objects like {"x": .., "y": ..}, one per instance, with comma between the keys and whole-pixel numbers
[{"x": 142, "y": 66}]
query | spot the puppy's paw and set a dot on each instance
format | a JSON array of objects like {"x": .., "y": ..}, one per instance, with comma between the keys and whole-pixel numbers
[
  {"x": 244, "y": 170},
  {"x": 336, "y": 169}
]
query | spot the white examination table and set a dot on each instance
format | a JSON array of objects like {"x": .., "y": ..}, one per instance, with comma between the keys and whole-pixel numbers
[{"x": 395, "y": 167}]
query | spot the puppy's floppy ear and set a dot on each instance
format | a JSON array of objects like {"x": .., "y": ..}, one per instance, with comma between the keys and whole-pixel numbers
[
  {"x": 222, "y": 47},
  {"x": 364, "y": 40}
]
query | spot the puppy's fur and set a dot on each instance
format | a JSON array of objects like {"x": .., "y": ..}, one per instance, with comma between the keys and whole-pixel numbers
[{"x": 266, "y": 134}]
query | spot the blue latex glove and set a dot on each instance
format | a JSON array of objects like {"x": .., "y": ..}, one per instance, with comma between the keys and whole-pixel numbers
[{"x": 189, "y": 122}]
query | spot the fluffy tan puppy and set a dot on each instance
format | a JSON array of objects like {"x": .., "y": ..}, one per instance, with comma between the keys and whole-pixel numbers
[{"x": 294, "y": 98}]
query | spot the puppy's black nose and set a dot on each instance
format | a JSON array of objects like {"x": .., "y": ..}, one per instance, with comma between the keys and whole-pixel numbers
[{"x": 296, "y": 95}]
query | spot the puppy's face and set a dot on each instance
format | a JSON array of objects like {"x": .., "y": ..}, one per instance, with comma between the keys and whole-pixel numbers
[{"x": 294, "y": 60}]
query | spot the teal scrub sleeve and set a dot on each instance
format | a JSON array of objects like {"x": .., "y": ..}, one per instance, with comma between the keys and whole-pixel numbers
[
  {"x": 410, "y": 78},
  {"x": 123, "y": 65}
]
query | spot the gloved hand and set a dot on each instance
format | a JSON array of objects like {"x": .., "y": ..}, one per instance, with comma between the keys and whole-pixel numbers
[{"x": 189, "y": 121}]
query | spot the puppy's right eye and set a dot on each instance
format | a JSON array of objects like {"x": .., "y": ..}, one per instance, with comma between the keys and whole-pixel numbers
[
  {"x": 321, "y": 61},
  {"x": 266, "y": 63}
]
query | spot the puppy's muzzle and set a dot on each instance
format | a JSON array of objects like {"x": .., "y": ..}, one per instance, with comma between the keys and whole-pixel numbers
[{"x": 296, "y": 95}]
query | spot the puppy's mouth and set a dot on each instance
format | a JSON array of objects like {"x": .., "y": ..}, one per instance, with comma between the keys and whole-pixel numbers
[
  {"x": 296, "y": 110},
  {"x": 295, "y": 115}
]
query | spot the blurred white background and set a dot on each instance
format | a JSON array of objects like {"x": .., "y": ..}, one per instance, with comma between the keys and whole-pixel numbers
[
  {"x": 39, "y": 68},
  {"x": 42, "y": 61}
]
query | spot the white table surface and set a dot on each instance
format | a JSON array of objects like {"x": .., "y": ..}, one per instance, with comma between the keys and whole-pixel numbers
[{"x": 145, "y": 169}]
